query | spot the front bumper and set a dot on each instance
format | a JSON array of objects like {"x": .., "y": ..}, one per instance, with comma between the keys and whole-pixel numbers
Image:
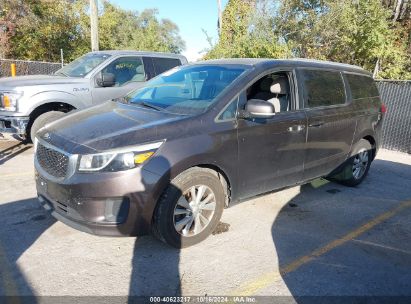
[
  {"x": 14, "y": 124},
  {"x": 110, "y": 204}
]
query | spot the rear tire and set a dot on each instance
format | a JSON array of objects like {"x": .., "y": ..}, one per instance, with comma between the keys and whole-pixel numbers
[
  {"x": 190, "y": 208},
  {"x": 42, "y": 120},
  {"x": 357, "y": 166}
]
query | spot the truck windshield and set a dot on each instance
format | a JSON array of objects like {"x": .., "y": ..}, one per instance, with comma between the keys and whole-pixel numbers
[
  {"x": 83, "y": 65},
  {"x": 185, "y": 90}
]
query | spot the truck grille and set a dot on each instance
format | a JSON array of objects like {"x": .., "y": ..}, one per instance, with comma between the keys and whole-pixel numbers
[{"x": 53, "y": 162}]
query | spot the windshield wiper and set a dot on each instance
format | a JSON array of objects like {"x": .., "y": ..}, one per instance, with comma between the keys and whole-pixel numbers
[{"x": 148, "y": 105}]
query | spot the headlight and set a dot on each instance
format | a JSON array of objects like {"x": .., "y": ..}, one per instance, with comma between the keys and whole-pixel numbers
[
  {"x": 118, "y": 160},
  {"x": 8, "y": 100}
]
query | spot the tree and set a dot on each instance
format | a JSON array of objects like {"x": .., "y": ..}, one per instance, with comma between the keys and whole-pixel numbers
[
  {"x": 10, "y": 12},
  {"x": 360, "y": 32},
  {"x": 123, "y": 29},
  {"x": 38, "y": 29},
  {"x": 246, "y": 33},
  {"x": 356, "y": 32},
  {"x": 401, "y": 14},
  {"x": 156, "y": 35},
  {"x": 46, "y": 27}
]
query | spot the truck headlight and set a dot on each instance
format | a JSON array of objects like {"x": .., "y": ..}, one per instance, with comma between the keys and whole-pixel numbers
[
  {"x": 8, "y": 100},
  {"x": 118, "y": 160}
]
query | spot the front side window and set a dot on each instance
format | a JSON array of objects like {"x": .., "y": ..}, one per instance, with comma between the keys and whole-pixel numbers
[
  {"x": 186, "y": 90},
  {"x": 362, "y": 86},
  {"x": 83, "y": 65},
  {"x": 274, "y": 88},
  {"x": 125, "y": 70},
  {"x": 323, "y": 88}
]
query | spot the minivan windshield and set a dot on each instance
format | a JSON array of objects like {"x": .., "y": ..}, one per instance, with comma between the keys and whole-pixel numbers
[
  {"x": 185, "y": 90},
  {"x": 83, "y": 65}
]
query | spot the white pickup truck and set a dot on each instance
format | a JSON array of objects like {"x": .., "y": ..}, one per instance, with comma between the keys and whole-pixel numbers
[{"x": 27, "y": 103}]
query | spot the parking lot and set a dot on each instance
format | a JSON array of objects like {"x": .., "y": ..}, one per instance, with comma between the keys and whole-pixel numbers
[{"x": 318, "y": 239}]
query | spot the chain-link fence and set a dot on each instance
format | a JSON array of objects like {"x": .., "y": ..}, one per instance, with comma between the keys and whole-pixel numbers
[
  {"x": 396, "y": 130},
  {"x": 396, "y": 95},
  {"x": 24, "y": 67}
]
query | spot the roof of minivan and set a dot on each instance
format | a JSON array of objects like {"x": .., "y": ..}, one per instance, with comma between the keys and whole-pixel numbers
[
  {"x": 297, "y": 62},
  {"x": 140, "y": 53}
]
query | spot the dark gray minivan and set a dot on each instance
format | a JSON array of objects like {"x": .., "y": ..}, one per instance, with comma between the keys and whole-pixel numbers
[{"x": 169, "y": 157}]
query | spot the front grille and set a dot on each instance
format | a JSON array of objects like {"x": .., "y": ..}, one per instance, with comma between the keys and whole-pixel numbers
[{"x": 53, "y": 162}]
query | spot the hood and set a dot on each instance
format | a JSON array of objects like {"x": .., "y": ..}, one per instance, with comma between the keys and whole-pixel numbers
[
  {"x": 108, "y": 126},
  {"x": 32, "y": 80}
]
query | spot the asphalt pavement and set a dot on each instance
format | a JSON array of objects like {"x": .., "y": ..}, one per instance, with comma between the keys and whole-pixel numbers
[{"x": 318, "y": 239}]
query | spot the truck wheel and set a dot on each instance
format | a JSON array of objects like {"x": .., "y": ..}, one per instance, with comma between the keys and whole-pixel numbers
[
  {"x": 42, "y": 120},
  {"x": 356, "y": 167},
  {"x": 190, "y": 208}
]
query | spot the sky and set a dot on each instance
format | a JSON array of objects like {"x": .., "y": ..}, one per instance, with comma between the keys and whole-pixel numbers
[{"x": 191, "y": 16}]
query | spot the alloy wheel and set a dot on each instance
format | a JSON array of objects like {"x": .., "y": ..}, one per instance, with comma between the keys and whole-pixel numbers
[
  {"x": 194, "y": 210},
  {"x": 360, "y": 164}
]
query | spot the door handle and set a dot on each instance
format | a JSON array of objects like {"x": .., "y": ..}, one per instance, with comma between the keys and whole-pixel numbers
[
  {"x": 316, "y": 124},
  {"x": 296, "y": 128}
]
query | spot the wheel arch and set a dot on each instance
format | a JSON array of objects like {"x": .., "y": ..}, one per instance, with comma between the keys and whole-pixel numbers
[
  {"x": 370, "y": 136},
  {"x": 225, "y": 181},
  {"x": 373, "y": 144},
  {"x": 178, "y": 169},
  {"x": 221, "y": 173},
  {"x": 47, "y": 107}
]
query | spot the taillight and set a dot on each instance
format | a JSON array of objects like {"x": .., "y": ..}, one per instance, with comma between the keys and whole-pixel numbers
[{"x": 383, "y": 108}]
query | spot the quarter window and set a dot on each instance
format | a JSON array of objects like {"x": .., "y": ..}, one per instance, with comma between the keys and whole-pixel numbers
[
  {"x": 323, "y": 88},
  {"x": 230, "y": 111},
  {"x": 362, "y": 86}
]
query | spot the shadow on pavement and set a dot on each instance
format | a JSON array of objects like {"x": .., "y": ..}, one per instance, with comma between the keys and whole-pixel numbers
[
  {"x": 12, "y": 151},
  {"x": 310, "y": 226},
  {"x": 22, "y": 222},
  {"x": 155, "y": 265},
  {"x": 155, "y": 269}
]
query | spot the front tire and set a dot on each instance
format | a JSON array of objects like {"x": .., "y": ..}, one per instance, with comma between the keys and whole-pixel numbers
[
  {"x": 42, "y": 120},
  {"x": 190, "y": 208}
]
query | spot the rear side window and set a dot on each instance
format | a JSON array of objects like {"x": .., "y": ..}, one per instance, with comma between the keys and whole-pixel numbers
[
  {"x": 323, "y": 88},
  {"x": 164, "y": 64},
  {"x": 362, "y": 86}
]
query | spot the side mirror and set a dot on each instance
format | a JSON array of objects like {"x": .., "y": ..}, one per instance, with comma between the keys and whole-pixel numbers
[
  {"x": 258, "y": 108},
  {"x": 106, "y": 80}
]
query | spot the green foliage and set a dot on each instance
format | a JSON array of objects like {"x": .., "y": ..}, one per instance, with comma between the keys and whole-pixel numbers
[
  {"x": 42, "y": 27},
  {"x": 246, "y": 34},
  {"x": 357, "y": 32},
  {"x": 157, "y": 35}
]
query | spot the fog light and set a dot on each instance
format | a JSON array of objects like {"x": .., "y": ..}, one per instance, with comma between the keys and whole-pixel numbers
[{"x": 116, "y": 210}]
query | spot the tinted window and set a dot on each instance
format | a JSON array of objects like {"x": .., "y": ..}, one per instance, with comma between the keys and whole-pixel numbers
[
  {"x": 164, "y": 64},
  {"x": 361, "y": 86},
  {"x": 126, "y": 69},
  {"x": 323, "y": 88},
  {"x": 185, "y": 90}
]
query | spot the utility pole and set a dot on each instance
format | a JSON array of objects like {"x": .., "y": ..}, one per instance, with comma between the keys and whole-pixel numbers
[
  {"x": 94, "y": 24},
  {"x": 220, "y": 17}
]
